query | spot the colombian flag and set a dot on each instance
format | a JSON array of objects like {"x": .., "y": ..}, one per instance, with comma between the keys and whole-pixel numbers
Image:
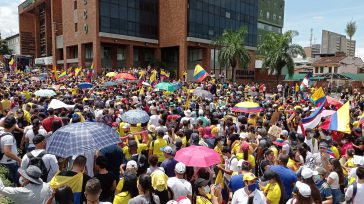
[
  {"x": 318, "y": 97},
  {"x": 62, "y": 76},
  {"x": 74, "y": 182},
  {"x": 77, "y": 70},
  {"x": 340, "y": 121},
  {"x": 153, "y": 78},
  {"x": 199, "y": 74},
  {"x": 164, "y": 74}
]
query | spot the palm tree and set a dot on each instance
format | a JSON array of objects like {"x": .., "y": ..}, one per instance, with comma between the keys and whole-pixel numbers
[
  {"x": 278, "y": 51},
  {"x": 233, "y": 51},
  {"x": 351, "y": 29}
]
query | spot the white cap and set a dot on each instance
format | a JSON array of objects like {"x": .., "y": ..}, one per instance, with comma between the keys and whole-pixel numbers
[
  {"x": 180, "y": 168},
  {"x": 126, "y": 126},
  {"x": 243, "y": 135},
  {"x": 284, "y": 132},
  {"x": 303, "y": 189},
  {"x": 308, "y": 173},
  {"x": 167, "y": 149},
  {"x": 132, "y": 165}
]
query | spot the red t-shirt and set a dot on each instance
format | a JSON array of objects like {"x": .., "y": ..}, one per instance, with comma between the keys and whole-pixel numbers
[{"x": 47, "y": 123}]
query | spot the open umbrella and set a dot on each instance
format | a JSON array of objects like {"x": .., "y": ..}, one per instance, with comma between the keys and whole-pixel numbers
[
  {"x": 198, "y": 156},
  {"x": 84, "y": 85},
  {"x": 125, "y": 76},
  {"x": 247, "y": 107},
  {"x": 166, "y": 86},
  {"x": 45, "y": 93},
  {"x": 135, "y": 116},
  {"x": 109, "y": 83},
  {"x": 203, "y": 93},
  {"x": 111, "y": 74},
  {"x": 78, "y": 138}
]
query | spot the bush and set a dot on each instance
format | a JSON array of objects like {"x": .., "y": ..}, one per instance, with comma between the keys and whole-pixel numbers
[{"x": 3, "y": 173}]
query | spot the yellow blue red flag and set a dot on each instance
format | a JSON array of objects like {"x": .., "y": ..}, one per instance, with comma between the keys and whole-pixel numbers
[{"x": 199, "y": 74}]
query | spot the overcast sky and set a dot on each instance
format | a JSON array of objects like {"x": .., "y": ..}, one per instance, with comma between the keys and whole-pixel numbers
[{"x": 300, "y": 15}]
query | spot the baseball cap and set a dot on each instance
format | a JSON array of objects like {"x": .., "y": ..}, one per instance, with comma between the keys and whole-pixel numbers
[
  {"x": 180, "y": 168},
  {"x": 323, "y": 144},
  {"x": 308, "y": 173},
  {"x": 303, "y": 189},
  {"x": 167, "y": 149},
  {"x": 249, "y": 177},
  {"x": 200, "y": 182},
  {"x": 132, "y": 165}
]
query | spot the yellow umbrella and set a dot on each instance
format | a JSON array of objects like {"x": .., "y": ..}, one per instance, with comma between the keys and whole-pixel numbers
[{"x": 111, "y": 74}]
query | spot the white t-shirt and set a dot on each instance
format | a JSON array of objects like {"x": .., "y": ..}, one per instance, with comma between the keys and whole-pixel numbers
[
  {"x": 154, "y": 120},
  {"x": 50, "y": 162},
  {"x": 30, "y": 135},
  {"x": 240, "y": 197},
  {"x": 359, "y": 196},
  {"x": 8, "y": 139},
  {"x": 180, "y": 187},
  {"x": 312, "y": 144},
  {"x": 232, "y": 165},
  {"x": 335, "y": 184},
  {"x": 279, "y": 87}
]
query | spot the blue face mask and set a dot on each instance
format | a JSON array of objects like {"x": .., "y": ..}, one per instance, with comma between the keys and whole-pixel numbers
[{"x": 252, "y": 187}]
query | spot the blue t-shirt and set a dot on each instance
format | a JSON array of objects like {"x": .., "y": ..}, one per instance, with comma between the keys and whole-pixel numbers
[
  {"x": 288, "y": 179},
  {"x": 168, "y": 166},
  {"x": 237, "y": 182}
]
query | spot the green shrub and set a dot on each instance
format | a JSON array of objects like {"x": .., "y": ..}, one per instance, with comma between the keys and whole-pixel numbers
[{"x": 3, "y": 173}]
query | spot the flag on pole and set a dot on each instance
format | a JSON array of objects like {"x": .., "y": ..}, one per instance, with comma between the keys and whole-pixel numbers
[
  {"x": 340, "y": 121},
  {"x": 305, "y": 83},
  {"x": 318, "y": 97},
  {"x": 141, "y": 91},
  {"x": 153, "y": 78},
  {"x": 12, "y": 64},
  {"x": 77, "y": 70},
  {"x": 90, "y": 73},
  {"x": 311, "y": 121},
  {"x": 62, "y": 76},
  {"x": 164, "y": 74},
  {"x": 199, "y": 74}
]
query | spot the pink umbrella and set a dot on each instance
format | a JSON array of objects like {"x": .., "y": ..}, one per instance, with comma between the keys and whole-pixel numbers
[{"x": 197, "y": 156}]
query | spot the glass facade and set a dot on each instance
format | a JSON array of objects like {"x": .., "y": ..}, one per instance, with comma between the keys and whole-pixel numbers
[
  {"x": 138, "y": 18},
  {"x": 207, "y": 19}
]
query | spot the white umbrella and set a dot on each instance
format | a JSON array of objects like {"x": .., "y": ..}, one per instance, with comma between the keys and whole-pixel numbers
[
  {"x": 56, "y": 104},
  {"x": 45, "y": 93}
]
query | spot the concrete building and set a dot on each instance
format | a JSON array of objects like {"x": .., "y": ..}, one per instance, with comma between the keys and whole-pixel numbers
[
  {"x": 333, "y": 42},
  {"x": 13, "y": 43},
  {"x": 133, "y": 33},
  {"x": 338, "y": 63},
  {"x": 303, "y": 65},
  {"x": 312, "y": 50}
]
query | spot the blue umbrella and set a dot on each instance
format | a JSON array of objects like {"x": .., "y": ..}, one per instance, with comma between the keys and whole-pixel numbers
[
  {"x": 135, "y": 116},
  {"x": 78, "y": 138},
  {"x": 109, "y": 83},
  {"x": 84, "y": 85}
]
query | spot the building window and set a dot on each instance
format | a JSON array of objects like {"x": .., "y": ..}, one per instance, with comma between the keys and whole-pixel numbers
[
  {"x": 280, "y": 18},
  {"x": 76, "y": 27},
  {"x": 316, "y": 69},
  {"x": 330, "y": 69},
  {"x": 74, "y": 4},
  {"x": 261, "y": 13},
  {"x": 227, "y": 14},
  {"x": 335, "y": 70},
  {"x": 274, "y": 17},
  {"x": 321, "y": 70},
  {"x": 268, "y": 14}
]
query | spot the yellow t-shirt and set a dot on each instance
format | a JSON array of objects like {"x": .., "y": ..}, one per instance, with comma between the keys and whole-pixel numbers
[
  {"x": 203, "y": 200},
  {"x": 251, "y": 158},
  {"x": 156, "y": 146},
  {"x": 273, "y": 193},
  {"x": 292, "y": 165},
  {"x": 27, "y": 116},
  {"x": 122, "y": 198},
  {"x": 6, "y": 105},
  {"x": 120, "y": 185},
  {"x": 137, "y": 128},
  {"x": 350, "y": 163}
]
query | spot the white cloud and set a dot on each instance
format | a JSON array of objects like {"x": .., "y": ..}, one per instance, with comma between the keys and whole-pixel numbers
[
  {"x": 360, "y": 52},
  {"x": 317, "y": 17},
  {"x": 9, "y": 24}
]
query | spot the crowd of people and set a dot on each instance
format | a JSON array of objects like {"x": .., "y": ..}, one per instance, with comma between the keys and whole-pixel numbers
[{"x": 257, "y": 167}]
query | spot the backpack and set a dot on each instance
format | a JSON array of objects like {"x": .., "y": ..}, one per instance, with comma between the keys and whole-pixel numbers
[
  {"x": 355, "y": 189},
  {"x": 38, "y": 162},
  {"x": 3, "y": 134}
]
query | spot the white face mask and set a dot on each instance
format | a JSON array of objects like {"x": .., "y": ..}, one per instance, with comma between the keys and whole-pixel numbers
[{"x": 207, "y": 189}]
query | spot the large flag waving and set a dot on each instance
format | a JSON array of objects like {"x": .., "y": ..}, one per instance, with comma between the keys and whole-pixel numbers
[
  {"x": 340, "y": 121},
  {"x": 305, "y": 83},
  {"x": 318, "y": 97},
  {"x": 199, "y": 74},
  {"x": 311, "y": 121},
  {"x": 62, "y": 76}
]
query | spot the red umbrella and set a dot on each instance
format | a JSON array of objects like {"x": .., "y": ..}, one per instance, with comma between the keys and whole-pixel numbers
[
  {"x": 173, "y": 117},
  {"x": 198, "y": 156},
  {"x": 125, "y": 76}
]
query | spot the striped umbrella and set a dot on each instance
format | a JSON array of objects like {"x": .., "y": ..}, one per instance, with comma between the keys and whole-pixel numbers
[{"x": 247, "y": 107}]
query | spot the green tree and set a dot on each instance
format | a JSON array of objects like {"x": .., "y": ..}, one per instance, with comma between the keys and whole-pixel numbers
[
  {"x": 232, "y": 49},
  {"x": 4, "y": 49},
  {"x": 350, "y": 29},
  {"x": 278, "y": 51}
]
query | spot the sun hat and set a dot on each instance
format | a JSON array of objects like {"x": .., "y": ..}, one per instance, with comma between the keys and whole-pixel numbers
[
  {"x": 180, "y": 168},
  {"x": 188, "y": 113},
  {"x": 303, "y": 189},
  {"x": 132, "y": 165},
  {"x": 32, "y": 173}
]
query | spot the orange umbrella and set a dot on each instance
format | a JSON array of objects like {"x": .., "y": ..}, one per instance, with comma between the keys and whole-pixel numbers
[{"x": 125, "y": 76}]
